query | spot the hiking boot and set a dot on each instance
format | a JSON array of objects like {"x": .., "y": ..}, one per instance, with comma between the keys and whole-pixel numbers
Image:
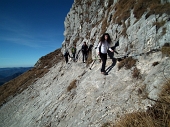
[{"x": 104, "y": 73}]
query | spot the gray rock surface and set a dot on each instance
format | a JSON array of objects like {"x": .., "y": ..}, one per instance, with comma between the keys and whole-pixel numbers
[{"x": 96, "y": 98}]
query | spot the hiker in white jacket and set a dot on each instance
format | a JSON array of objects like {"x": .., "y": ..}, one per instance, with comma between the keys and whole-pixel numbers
[{"x": 103, "y": 47}]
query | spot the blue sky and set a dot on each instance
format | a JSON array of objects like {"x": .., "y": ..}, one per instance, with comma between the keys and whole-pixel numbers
[{"x": 30, "y": 29}]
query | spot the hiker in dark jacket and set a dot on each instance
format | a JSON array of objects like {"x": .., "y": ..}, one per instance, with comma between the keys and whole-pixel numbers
[
  {"x": 66, "y": 55},
  {"x": 111, "y": 54},
  {"x": 90, "y": 48},
  {"x": 84, "y": 50}
]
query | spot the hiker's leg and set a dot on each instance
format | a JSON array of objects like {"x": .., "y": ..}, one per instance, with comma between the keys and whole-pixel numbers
[
  {"x": 83, "y": 56},
  {"x": 66, "y": 58},
  {"x": 86, "y": 56},
  {"x": 74, "y": 57},
  {"x": 111, "y": 55},
  {"x": 103, "y": 58},
  {"x": 114, "y": 61}
]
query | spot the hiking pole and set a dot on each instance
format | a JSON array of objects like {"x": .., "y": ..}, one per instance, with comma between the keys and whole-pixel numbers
[
  {"x": 93, "y": 62},
  {"x": 116, "y": 52}
]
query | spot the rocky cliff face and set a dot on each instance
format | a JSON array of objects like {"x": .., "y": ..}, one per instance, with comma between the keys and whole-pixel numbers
[
  {"x": 139, "y": 26},
  {"x": 72, "y": 95}
]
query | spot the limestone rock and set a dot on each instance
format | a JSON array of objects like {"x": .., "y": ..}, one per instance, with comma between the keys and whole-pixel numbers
[{"x": 92, "y": 98}]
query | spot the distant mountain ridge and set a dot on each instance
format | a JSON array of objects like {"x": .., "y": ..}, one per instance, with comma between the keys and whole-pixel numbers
[{"x": 7, "y": 74}]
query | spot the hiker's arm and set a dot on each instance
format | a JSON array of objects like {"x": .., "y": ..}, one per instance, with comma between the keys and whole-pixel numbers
[
  {"x": 97, "y": 48},
  {"x": 110, "y": 48},
  {"x": 113, "y": 50}
]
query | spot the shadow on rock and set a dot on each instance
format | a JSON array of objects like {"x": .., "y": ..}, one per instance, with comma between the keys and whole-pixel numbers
[{"x": 112, "y": 65}]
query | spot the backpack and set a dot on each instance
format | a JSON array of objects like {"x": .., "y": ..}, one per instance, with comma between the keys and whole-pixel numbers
[
  {"x": 66, "y": 54},
  {"x": 73, "y": 50}
]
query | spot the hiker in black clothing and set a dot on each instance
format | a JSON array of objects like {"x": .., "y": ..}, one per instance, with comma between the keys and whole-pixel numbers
[
  {"x": 90, "y": 48},
  {"x": 103, "y": 47},
  {"x": 111, "y": 54},
  {"x": 73, "y": 50},
  {"x": 66, "y": 55},
  {"x": 84, "y": 50}
]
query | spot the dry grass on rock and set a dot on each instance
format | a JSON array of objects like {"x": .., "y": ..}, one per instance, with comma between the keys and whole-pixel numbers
[
  {"x": 128, "y": 63},
  {"x": 72, "y": 85},
  {"x": 166, "y": 49},
  {"x": 156, "y": 116},
  {"x": 136, "y": 73}
]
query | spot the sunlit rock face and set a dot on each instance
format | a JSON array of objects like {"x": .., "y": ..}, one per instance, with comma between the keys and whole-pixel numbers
[
  {"x": 72, "y": 95},
  {"x": 88, "y": 20}
]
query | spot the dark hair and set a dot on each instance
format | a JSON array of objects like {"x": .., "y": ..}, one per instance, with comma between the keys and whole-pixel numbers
[{"x": 102, "y": 39}]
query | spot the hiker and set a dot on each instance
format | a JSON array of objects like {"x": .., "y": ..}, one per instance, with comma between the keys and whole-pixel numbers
[
  {"x": 90, "y": 48},
  {"x": 103, "y": 47},
  {"x": 73, "y": 50},
  {"x": 78, "y": 54},
  {"x": 84, "y": 50},
  {"x": 66, "y": 55},
  {"x": 111, "y": 54}
]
